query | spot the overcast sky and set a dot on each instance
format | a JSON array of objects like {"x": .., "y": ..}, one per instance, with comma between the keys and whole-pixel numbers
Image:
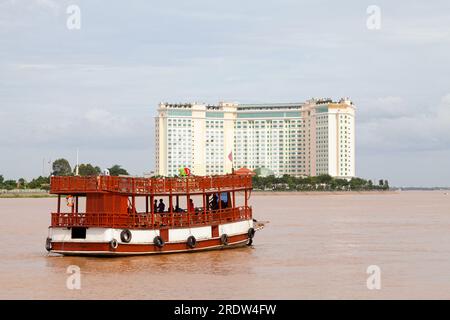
[{"x": 97, "y": 88}]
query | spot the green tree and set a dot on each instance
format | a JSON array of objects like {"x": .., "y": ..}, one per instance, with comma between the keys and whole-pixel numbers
[
  {"x": 324, "y": 178},
  {"x": 357, "y": 183},
  {"x": 88, "y": 170},
  {"x": 308, "y": 181},
  {"x": 10, "y": 184},
  {"x": 22, "y": 183},
  {"x": 321, "y": 182},
  {"x": 257, "y": 182},
  {"x": 290, "y": 181},
  {"x": 61, "y": 167},
  {"x": 117, "y": 170},
  {"x": 339, "y": 184},
  {"x": 40, "y": 183}
]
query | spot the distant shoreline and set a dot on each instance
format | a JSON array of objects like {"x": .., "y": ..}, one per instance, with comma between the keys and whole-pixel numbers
[
  {"x": 321, "y": 193},
  {"x": 25, "y": 195},
  {"x": 254, "y": 192}
]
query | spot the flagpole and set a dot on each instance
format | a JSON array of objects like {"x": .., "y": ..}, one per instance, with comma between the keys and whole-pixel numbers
[
  {"x": 231, "y": 158},
  {"x": 232, "y": 162},
  {"x": 76, "y": 170}
]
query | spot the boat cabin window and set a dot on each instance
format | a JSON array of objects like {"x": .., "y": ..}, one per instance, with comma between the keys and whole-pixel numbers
[
  {"x": 217, "y": 202},
  {"x": 179, "y": 203},
  {"x": 78, "y": 233}
]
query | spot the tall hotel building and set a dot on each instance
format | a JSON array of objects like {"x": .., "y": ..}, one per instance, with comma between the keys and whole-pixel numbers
[{"x": 300, "y": 139}]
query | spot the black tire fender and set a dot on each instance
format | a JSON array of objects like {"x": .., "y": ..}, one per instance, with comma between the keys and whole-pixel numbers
[
  {"x": 191, "y": 242},
  {"x": 48, "y": 244},
  {"x": 251, "y": 233},
  {"x": 114, "y": 244},
  {"x": 158, "y": 241},
  {"x": 224, "y": 239},
  {"x": 126, "y": 236}
]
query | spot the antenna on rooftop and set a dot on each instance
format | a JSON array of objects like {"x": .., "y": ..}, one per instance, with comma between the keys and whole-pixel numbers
[{"x": 76, "y": 168}]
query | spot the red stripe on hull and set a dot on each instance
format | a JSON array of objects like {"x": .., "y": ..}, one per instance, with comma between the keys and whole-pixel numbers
[{"x": 96, "y": 248}]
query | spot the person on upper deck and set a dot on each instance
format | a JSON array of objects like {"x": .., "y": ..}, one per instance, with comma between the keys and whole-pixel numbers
[
  {"x": 214, "y": 203},
  {"x": 223, "y": 204},
  {"x": 161, "y": 206},
  {"x": 155, "y": 206},
  {"x": 191, "y": 207}
]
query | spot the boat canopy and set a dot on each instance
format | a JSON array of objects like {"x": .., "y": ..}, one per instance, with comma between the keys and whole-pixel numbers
[{"x": 149, "y": 186}]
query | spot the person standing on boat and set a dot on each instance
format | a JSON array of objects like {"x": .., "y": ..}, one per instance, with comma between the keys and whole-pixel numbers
[
  {"x": 191, "y": 206},
  {"x": 214, "y": 203},
  {"x": 161, "y": 206}
]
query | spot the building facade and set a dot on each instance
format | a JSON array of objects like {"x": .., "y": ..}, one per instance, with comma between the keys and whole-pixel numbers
[{"x": 300, "y": 139}]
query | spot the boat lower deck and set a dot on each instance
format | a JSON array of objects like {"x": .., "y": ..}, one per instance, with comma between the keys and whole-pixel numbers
[
  {"x": 111, "y": 242},
  {"x": 104, "y": 249}
]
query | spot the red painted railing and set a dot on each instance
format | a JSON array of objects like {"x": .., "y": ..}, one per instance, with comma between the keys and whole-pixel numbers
[
  {"x": 148, "y": 221},
  {"x": 149, "y": 186}
]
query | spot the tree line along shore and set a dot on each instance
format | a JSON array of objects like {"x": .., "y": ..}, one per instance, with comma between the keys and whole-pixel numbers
[
  {"x": 317, "y": 183},
  {"x": 39, "y": 186}
]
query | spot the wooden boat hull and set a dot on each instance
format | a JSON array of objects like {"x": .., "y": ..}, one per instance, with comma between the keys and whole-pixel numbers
[
  {"x": 98, "y": 241},
  {"x": 103, "y": 249}
]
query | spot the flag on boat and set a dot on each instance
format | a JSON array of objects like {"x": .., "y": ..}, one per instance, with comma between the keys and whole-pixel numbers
[{"x": 184, "y": 171}]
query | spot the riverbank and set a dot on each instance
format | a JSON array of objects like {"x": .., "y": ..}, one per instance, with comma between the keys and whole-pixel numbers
[
  {"x": 32, "y": 195},
  {"x": 322, "y": 193}
]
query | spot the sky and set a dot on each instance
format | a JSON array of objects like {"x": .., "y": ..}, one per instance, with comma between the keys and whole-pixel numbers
[{"x": 97, "y": 88}]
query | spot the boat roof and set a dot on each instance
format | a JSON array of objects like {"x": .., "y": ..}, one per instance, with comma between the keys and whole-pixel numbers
[{"x": 77, "y": 185}]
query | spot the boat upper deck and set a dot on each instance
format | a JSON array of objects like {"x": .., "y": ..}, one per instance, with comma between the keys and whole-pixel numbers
[{"x": 149, "y": 186}]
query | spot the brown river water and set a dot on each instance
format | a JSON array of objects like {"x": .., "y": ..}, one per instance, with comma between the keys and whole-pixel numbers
[{"x": 314, "y": 247}]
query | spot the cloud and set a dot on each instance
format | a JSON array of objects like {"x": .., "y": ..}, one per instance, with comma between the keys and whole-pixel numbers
[
  {"x": 420, "y": 36},
  {"x": 389, "y": 107},
  {"x": 35, "y": 66},
  {"x": 405, "y": 129},
  {"x": 104, "y": 124},
  {"x": 47, "y": 5},
  {"x": 70, "y": 127}
]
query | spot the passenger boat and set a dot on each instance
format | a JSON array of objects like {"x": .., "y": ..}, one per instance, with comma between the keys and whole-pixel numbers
[{"x": 105, "y": 215}]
